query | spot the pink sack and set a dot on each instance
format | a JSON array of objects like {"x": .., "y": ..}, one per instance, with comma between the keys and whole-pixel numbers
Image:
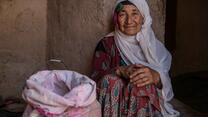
[{"x": 60, "y": 93}]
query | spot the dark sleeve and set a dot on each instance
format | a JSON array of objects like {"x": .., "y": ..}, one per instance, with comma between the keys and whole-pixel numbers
[{"x": 101, "y": 62}]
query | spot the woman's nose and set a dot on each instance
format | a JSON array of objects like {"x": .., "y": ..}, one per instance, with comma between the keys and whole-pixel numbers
[{"x": 129, "y": 20}]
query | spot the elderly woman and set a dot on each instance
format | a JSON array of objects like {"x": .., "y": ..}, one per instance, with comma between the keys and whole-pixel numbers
[{"x": 131, "y": 66}]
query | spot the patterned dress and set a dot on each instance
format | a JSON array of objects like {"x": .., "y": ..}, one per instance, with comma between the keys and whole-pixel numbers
[{"x": 117, "y": 96}]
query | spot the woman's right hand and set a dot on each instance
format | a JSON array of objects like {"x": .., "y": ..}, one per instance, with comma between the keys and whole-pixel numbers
[{"x": 125, "y": 71}]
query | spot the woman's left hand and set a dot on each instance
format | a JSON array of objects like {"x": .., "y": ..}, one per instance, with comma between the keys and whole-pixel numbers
[{"x": 144, "y": 75}]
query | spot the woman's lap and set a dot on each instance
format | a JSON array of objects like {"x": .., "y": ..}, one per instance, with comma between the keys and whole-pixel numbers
[{"x": 119, "y": 98}]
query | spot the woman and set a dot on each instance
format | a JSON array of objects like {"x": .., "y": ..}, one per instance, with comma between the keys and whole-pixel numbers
[{"x": 131, "y": 66}]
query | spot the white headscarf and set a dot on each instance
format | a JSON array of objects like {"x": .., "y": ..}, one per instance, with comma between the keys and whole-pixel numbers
[{"x": 156, "y": 55}]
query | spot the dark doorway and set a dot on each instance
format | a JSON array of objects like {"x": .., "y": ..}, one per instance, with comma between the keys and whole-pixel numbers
[
  {"x": 170, "y": 25},
  {"x": 186, "y": 37}
]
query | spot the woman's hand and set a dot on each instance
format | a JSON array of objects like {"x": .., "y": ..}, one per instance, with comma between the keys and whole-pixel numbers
[
  {"x": 144, "y": 75},
  {"x": 125, "y": 71}
]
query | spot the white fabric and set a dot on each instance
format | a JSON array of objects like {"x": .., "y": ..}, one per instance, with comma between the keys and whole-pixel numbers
[
  {"x": 129, "y": 48},
  {"x": 59, "y": 90},
  {"x": 156, "y": 55}
]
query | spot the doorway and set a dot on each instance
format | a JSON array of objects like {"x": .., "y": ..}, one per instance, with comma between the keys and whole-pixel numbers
[{"x": 186, "y": 38}]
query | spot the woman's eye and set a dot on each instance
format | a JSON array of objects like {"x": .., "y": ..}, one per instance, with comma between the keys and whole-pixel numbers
[
  {"x": 135, "y": 14},
  {"x": 121, "y": 14}
]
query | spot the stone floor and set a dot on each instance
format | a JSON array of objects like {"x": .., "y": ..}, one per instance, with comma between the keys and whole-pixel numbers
[
  {"x": 192, "y": 90},
  {"x": 185, "y": 110}
]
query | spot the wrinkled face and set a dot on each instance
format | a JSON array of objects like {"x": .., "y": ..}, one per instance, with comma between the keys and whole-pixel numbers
[{"x": 130, "y": 20}]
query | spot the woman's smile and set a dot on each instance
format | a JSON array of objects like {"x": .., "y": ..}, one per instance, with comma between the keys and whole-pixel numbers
[{"x": 130, "y": 20}]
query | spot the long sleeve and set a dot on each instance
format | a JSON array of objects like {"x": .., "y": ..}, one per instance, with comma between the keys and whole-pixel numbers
[
  {"x": 105, "y": 59},
  {"x": 101, "y": 62}
]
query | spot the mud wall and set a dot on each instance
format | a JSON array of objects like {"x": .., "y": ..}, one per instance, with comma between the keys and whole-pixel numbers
[{"x": 22, "y": 42}]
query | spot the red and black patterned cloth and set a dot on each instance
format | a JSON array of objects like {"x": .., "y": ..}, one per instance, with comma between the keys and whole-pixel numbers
[{"x": 117, "y": 96}]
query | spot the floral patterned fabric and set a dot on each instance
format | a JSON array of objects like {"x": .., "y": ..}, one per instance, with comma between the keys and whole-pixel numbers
[{"x": 117, "y": 96}]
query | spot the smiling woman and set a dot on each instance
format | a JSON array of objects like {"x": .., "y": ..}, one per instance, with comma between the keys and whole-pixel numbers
[
  {"x": 131, "y": 66},
  {"x": 129, "y": 19}
]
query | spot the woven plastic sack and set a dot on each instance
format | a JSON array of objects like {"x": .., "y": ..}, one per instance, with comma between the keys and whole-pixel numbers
[{"x": 60, "y": 93}]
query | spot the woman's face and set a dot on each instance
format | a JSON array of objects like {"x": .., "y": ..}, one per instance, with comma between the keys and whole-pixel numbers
[{"x": 130, "y": 20}]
